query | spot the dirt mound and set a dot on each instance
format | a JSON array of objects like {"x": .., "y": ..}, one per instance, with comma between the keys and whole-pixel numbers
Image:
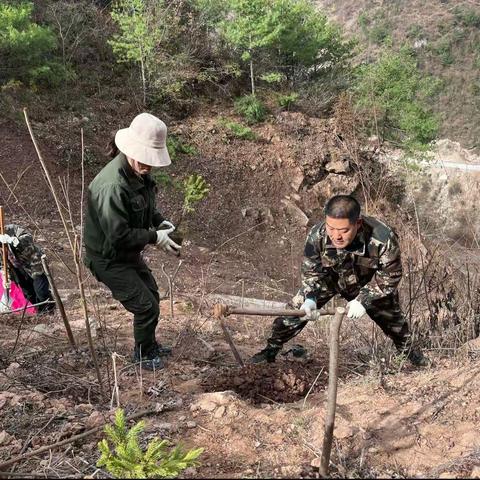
[{"x": 280, "y": 382}]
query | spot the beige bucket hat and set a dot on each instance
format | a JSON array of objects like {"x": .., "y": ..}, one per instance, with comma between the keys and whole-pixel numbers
[{"x": 145, "y": 141}]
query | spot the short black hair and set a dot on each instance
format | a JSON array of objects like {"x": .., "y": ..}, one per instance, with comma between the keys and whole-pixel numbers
[{"x": 343, "y": 206}]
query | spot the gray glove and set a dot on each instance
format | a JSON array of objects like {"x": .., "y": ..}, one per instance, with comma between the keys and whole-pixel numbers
[{"x": 165, "y": 242}]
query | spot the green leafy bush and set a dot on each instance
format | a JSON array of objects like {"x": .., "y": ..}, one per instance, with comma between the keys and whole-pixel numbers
[
  {"x": 123, "y": 457},
  {"x": 251, "y": 108},
  {"x": 176, "y": 146},
  {"x": 467, "y": 16},
  {"x": 238, "y": 130},
  {"x": 288, "y": 100},
  {"x": 394, "y": 97},
  {"x": 291, "y": 37},
  {"x": 27, "y": 50}
]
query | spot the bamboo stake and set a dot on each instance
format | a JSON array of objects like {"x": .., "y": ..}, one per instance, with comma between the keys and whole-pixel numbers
[
  {"x": 58, "y": 301},
  {"x": 332, "y": 391}
]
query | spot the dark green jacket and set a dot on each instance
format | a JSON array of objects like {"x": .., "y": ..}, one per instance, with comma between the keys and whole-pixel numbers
[
  {"x": 370, "y": 268},
  {"x": 121, "y": 216}
]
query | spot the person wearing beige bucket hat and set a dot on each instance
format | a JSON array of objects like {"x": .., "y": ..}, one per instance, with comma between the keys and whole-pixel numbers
[{"x": 122, "y": 219}]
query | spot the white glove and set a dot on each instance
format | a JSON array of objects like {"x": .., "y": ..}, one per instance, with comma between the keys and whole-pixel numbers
[
  {"x": 8, "y": 239},
  {"x": 355, "y": 309},
  {"x": 165, "y": 242},
  {"x": 309, "y": 306},
  {"x": 170, "y": 225}
]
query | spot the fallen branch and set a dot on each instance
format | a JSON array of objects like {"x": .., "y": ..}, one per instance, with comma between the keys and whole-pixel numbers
[{"x": 80, "y": 436}]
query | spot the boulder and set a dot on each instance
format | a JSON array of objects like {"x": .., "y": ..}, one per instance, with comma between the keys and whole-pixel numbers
[
  {"x": 295, "y": 213},
  {"x": 338, "y": 166}
]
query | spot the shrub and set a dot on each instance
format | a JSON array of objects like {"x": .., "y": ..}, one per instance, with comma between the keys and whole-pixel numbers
[
  {"x": 287, "y": 101},
  {"x": 176, "y": 146},
  {"x": 27, "y": 50},
  {"x": 238, "y": 130},
  {"x": 467, "y": 16},
  {"x": 251, "y": 108},
  {"x": 129, "y": 460},
  {"x": 394, "y": 96}
]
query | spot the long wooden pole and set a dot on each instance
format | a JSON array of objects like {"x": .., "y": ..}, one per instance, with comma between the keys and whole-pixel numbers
[
  {"x": 332, "y": 391},
  {"x": 58, "y": 301},
  {"x": 275, "y": 312},
  {"x": 4, "y": 250}
]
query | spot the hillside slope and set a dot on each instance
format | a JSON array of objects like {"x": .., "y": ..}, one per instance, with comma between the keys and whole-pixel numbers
[{"x": 445, "y": 36}]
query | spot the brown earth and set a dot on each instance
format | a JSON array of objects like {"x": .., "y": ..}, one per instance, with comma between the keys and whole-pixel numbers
[{"x": 262, "y": 421}]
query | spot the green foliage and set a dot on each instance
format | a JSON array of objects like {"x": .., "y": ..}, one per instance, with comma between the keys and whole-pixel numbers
[
  {"x": 288, "y": 100},
  {"x": 162, "y": 178},
  {"x": 376, "y": 28},
  {"x": 195, "y": 189},
  {"x": 264, "y": 34},
  {"x": 154, "y": 36},
  {"x": 251, "y": 108},
  {"x": 176, "y": 146},
  {"x": 468, "y": 16},
  {"x": 443, "y": 48},
  {"x": 129, "y": 460},
  {"x": 272, "y": 77},
  {"x": 27, "y": 50},
  {"x": 238, "y": 130},
  {"x": 415, "y": 32},
  {"x": 393, "y": 96}
]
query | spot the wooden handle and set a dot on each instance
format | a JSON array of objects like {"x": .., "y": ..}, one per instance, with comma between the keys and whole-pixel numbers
[
  {"x": 4, "y": 248},
  {"x": 220, "y": 310},
  {"x": 332, "y": 391}
]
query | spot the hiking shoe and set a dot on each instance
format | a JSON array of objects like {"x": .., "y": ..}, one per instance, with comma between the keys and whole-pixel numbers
[
  {"x": 268, "y": 355},
  {"x": 417, "y": 358}
]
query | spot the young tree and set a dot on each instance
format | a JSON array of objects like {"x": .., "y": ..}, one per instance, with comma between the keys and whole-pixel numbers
[
  {"x": 393, "y": 95},
  {"x": 276, "y": 38},
  {"x": 27, "y": 50},
  {"x": 138, "y": 36}
]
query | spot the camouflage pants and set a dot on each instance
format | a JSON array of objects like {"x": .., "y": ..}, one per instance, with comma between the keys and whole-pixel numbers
[{"x": 386, "y": 313}]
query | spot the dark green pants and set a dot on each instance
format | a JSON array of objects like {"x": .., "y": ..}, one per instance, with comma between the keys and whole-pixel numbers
[
  {"x": 134, "y": 286},
  {"x": 386, "y": 313}
]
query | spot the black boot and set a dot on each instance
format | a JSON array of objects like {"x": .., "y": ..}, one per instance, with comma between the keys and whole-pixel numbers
[
  {"x": 162, "y": 350},
  {"x": 268, "y": 355},
  {"x": 150, "y": 361},
  {"x": 417, "y": 358}
]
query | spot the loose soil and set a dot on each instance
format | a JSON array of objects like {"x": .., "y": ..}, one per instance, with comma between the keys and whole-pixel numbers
[{"x": 280, "y": 382}]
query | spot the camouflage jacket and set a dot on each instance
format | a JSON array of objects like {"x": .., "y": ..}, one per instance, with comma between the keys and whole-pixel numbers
[
  {"x": 369, "y": 268},
  {"x": 26, "y": 255}
]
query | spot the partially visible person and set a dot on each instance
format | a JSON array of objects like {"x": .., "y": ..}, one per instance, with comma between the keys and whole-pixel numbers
[
  {"x": 25, "y": 267},
  {"x": 121, "y": 220}
]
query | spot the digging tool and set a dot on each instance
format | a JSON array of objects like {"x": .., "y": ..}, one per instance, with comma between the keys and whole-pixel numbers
[
  {"x": 221, "y": 311},
  {"x": 6, "y": 301},
  {"x": 332, "y": 391}
]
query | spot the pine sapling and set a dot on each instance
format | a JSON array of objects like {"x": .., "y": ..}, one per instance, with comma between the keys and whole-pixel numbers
[{"x": 123, "y": 457}]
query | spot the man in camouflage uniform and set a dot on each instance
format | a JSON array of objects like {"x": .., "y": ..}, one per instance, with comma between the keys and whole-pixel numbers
[
  {"x": 357, "y": 257},
  {"x": 25, "y": 267}
]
